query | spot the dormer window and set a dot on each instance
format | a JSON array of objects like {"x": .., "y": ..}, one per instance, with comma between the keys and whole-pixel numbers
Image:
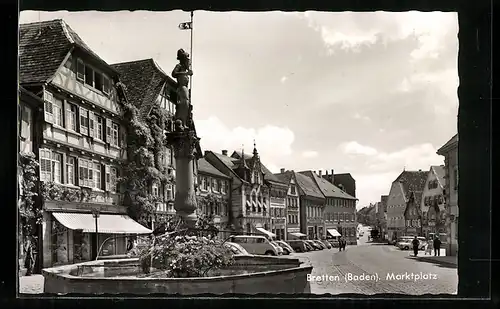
[{"x": 89, "y": 76}]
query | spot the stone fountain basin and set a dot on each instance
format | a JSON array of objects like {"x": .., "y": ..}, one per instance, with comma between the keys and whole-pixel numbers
[{"x": 249, "y": 275}]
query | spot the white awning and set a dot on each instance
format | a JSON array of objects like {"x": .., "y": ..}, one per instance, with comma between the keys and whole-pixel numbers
[
  {"x": 249, "y": 203},
  {"x": 263, "y": 231},
  {"x": 333, "y": 232},
  {"x": 297, "y": 234},
  {"x": 106, "y": 223}
]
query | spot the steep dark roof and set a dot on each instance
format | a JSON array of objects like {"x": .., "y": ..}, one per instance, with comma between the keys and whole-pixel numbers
[
  {"x": 268, "y": 175},
  {"x": 413, "y": 181},
  {"x": 440, "y": 172},
  {"x": 308, "y": 186},
  {"x": 284, "y": 177},
  {"x": 43, "y": 47},
  {"x": 453, "y": 141},
  {"x": 327, "y": 188},
  {"x": 205, "y": 167},
  {"x": 144, "y": 80},
  {"x": 343, "y": 175}
]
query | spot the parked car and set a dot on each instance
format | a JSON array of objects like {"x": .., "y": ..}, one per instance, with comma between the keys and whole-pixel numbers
[
  {"x": 309, "y": 246},
  {"x": 255, "y": 244},
  {"x": 407, "y": 242},
  {"x": 333, "y": 242},
  {"x": 278, "y": 247},
  {"x": 326, "y": 243},
  {"x": 237, "y": 249},
  {"x": 286, "y": 247},
  {"x": 298, "y": 245},
  {"x": 314, "y": 245},
  {"x": 320, "y": 243}
]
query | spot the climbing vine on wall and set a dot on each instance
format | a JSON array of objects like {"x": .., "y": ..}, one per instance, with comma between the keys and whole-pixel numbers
[
  {"x": 29, "y": 214},
  {"x": 144, "y": 165}
]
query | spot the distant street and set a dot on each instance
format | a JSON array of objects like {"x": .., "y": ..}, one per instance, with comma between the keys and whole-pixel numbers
[{"x": 384, "y": 260}]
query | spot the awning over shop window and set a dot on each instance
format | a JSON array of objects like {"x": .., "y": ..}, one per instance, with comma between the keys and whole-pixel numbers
[
  {"x": 106, "y": 223},
  {"x": 297, "y": 234},
  {"x": 249, "y": 203},
  {"x": 333, "y": 232},
  {"x": 265, "y": 232}
]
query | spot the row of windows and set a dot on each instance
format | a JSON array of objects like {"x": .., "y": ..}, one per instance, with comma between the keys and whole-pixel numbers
[
  {"x": 433, "y": 184},
  {"x": 293, "y": 219},
  {"x": 396, "y": 218},
  {"x": 79, "y": 171},
  {"x": 278, "y": 212},
  {"x": 256, "y": 203},
  {"x": 89, "y": 76},
  {"x": 217, "y": 209},
  {"x": 336, "y": 217},
  {"x": 278, "y": 193},
  {"x": 167, "y": 192},
  {"x": 434, "y": 216},
  {"x": 217, "y": 185},
  {"x": 340, "y": 202},
  {"x": 412, "y": 212},
  {"x": 413, "y": 222},
  {"x": 314, "y": 212},
  {"x": 293, "y": 202},
  {"x": 430, "y": 200},
  {"x": 79, "y": 119}
]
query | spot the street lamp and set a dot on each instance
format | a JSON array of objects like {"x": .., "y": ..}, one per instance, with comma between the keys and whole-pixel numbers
[{"x": 96, "y": 214}]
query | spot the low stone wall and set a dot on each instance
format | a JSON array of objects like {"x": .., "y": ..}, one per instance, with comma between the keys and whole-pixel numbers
[{"x": 268, "y": 275}]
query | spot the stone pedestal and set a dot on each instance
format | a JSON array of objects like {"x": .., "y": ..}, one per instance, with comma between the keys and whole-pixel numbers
[{"x": 184, "y": 143}]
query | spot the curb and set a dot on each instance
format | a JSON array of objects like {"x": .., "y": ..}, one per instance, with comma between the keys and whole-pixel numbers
[{"x": 423, "y": 259}]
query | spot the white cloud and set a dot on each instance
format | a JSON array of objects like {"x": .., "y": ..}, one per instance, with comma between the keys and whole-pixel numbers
[
  {"x": 310, "y": 154},
  {"x": 274, "y": 144},
  {"x": 361, "y": 117},
  {"x": 369, "y": 187},
  {"x": 346, "y": 41},
  {"x": 414, "y": 157},
  {"x": 283, "y": 79},
  {"x": 355, "y": 148}
]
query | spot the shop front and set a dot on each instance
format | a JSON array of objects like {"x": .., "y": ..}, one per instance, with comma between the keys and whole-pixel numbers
[{"x": 73, "y": 236}]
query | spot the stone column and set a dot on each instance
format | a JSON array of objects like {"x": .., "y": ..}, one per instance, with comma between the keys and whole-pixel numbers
[{"x": 184, "y": 143}]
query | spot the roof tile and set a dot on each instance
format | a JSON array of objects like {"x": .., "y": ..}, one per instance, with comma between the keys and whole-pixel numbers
[
  {"x": 205, "y": 167},
  {"x": 327, "y": 188}
]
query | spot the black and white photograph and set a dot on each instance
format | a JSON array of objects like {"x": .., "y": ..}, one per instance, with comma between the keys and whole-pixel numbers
[{"x": 194, "y": 152}]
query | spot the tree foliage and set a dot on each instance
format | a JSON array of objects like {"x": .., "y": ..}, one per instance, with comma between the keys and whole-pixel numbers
[
  {"x": 145, "y": 149},
  {"x": 29, "y": 214},
  {"x": 184, "y": 256}
]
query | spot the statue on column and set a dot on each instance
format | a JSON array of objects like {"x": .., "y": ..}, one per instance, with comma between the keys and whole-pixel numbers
[{"x": 182, "y": 72}]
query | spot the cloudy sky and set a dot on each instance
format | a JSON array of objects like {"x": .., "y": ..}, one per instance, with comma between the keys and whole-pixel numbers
[{"x": 364, "y": 93}]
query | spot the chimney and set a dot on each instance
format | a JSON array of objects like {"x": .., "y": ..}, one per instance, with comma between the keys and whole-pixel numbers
[
  {"x": 319, "y": 173},
  {"x": 282, "y": 170},
  {"x": 224, "y": 152}
]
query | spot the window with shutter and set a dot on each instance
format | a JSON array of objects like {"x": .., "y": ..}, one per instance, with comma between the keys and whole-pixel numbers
[
  {"x": 71, "y": 117},
  {"x": 92, "y": 124},
  {"x": 84, "y": 121},
  {"x": 45, "y": 165},
  {"x": 114, "y": 179},
  {"x": 108, "y": 130},
  {"x": 97, "y": 175},
  {"x": 48, "y": 108},
  {"x": 115, "y": 141},
  {"x": 108, "y": 178}
]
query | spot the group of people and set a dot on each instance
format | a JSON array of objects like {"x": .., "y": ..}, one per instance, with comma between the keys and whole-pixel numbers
[{"x": 430, "y": 244}]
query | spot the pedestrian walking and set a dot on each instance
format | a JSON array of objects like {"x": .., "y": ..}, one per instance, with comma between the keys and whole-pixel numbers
[
  {"x": 437, "y": 246},
  {"x": 429, "y": 246},
  {"x": 415, "y": 244},
  {"x": 29, "y": 261},
  {"x": 344, "y": 243}
]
